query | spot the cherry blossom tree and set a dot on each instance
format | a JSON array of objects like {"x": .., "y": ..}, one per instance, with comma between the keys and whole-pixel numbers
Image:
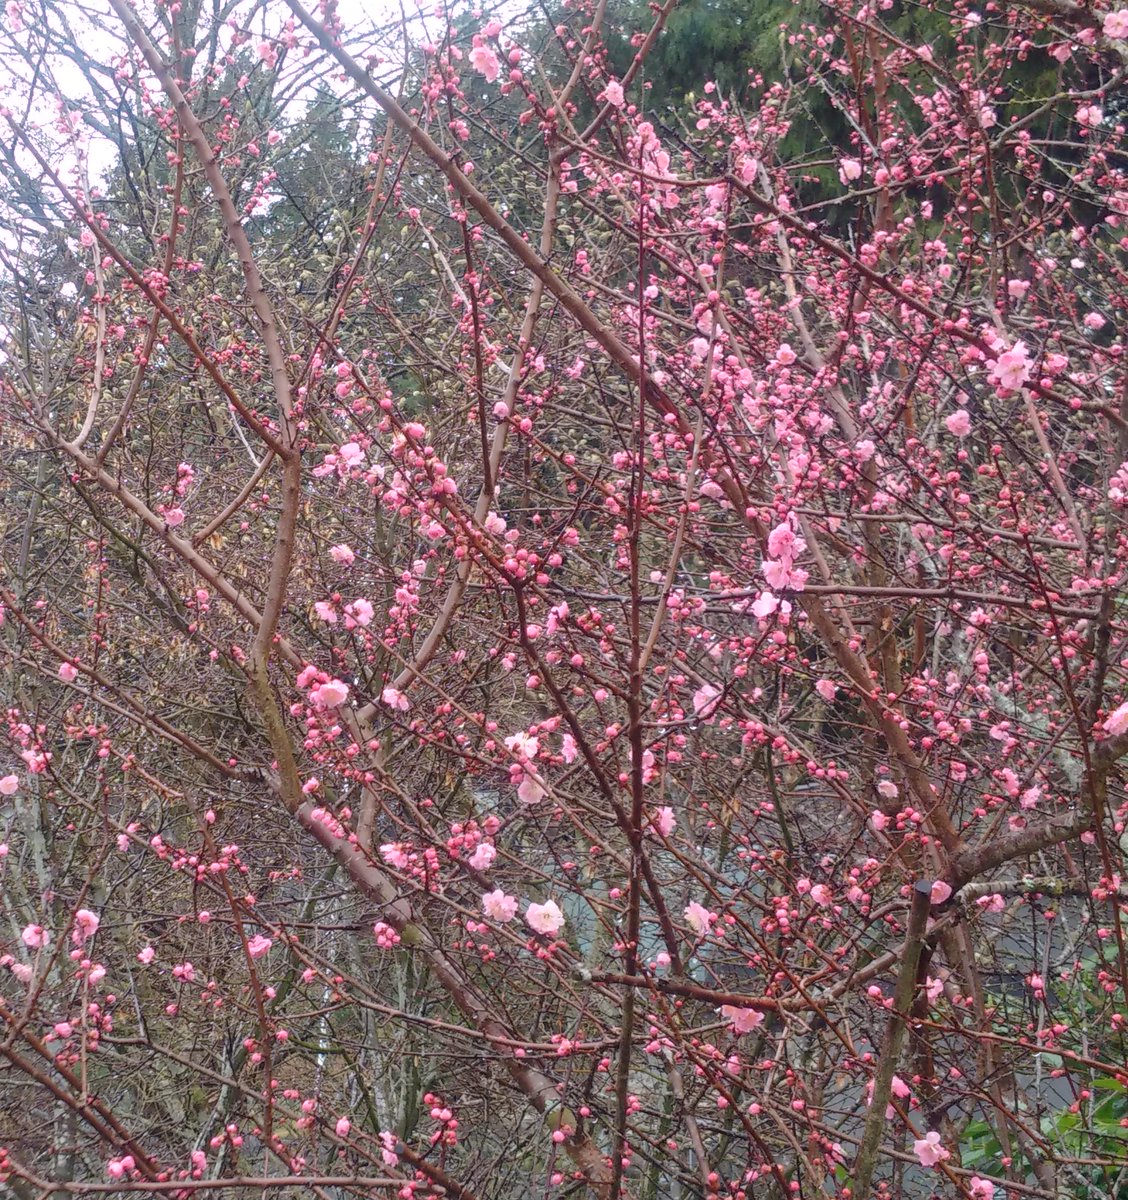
[{"x": 553, "y": 645}]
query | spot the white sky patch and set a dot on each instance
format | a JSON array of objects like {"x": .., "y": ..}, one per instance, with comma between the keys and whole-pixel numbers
[
  {"x": 69, "y": 76},
  {"x": 42, "y": 85}
]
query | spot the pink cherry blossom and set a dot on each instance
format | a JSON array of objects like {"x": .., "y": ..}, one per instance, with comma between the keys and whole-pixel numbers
[
  {"x": 764, "y": 605},
  {"x": 784, "y": 543},
  {"x": 940, "y": 891},
  {"x": 1115, "y": 26},
  {"x": 827, "y": 689},
  {"x": 85, "y": 925},
  {"x": 614, "y": 93},
  {"x": 523, "y": 745},
  {"x": 9, "y": 785},
  {"x": 705, "y": 701},
  {"x": 1012, "y": 368},
  {"x": 783, "y": 576},
  {"x": 35, "y": 936},
  {"x": 483, "y": 856},
  {"x": 664, "y": 821},
  {"x": 330, "y": 695},
  {"x": 351, "y": 455},
  {"x": 929, "y": 1151},
  {"x": 36, "y": 761},
  {"x": 784, "y": 547},
  {"x": 849, "y": 169},
  {"x": 699, "y": 918},
  {"x": 342, "y": 1127},
  {"x": 146, "y": 955},
  {"x": 394, "y": 698},
  {"x": 742, "y": 1020},
  {"x": 958, "y": 423},
  {"x": 1116, "y": 722},
  {"x": 360, "y": 612},
  {"x": 326, "y": 819},
  {"x": 485, "y": 62},
  {"x": 530, "y": 789},
  {"x": 499, "y": 906},
  {"x": 259, "y": 945},
  {"x": 979, "y": 1188},
  {"x": 395, "y": 855},
  {"x": 898, "y": 1087},
  {"x": 342, "y": 554},
  {"x": 68, "y": 672},
  {"x": 545, "y": 918}
]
